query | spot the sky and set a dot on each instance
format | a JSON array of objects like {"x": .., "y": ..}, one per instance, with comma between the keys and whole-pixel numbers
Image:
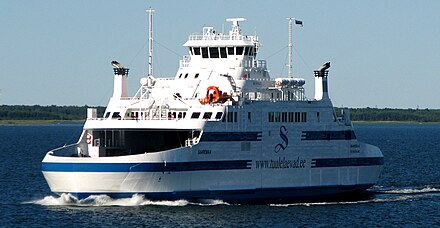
[{"x": 384, "y": 53}]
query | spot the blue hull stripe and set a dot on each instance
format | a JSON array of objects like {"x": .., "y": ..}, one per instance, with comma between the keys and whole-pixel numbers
[
  {"x": 338, "y": 162},
  {"x": 260, "y": 195},
  {"x": 146, "y": 167},
  {"x": 230, "y": 136},
  {"x": 328, "y": 135}
]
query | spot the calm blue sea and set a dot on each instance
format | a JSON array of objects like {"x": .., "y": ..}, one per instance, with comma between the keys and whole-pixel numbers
[{"x": 408, "y": 193}]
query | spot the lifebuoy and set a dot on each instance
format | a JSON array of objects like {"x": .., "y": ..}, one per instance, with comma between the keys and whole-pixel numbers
[
  {"x": 213, "y": 95},
  {"x": 89, "y": 138}
]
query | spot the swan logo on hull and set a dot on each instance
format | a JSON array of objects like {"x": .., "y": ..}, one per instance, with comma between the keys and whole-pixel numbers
[{"x": 283, "y": 135}]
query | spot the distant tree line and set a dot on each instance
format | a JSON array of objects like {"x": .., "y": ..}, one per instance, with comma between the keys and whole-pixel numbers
[
  {"x": 389, "y": 114},
  {"x": 53, "y": 112}
]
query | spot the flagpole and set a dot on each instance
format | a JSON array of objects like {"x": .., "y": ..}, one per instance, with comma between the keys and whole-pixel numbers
[{"x": 297, "y": 22}]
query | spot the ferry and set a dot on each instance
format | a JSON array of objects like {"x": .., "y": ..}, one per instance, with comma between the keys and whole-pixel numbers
[{"x": 220, "y": 129}]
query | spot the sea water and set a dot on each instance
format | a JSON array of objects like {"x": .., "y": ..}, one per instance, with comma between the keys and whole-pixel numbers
[{"x": 407, "y": 194}]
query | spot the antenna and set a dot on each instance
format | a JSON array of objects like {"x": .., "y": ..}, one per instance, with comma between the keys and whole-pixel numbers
[
  {"x": 290, "y": 47},
  {"x": 150, "y": 42}
]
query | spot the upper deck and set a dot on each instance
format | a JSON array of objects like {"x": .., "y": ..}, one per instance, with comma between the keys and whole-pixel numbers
[{"x": 210, "y": 37}]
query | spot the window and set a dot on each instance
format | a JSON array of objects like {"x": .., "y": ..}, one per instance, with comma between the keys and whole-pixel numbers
[
  {"x": 231, "y": 117},
  {"x": 180, "y": 76},
  {"x": 195, "y": 115},
  {"x": 204, "y": 52},
  {"x": 213, "y": 52},
  {"x": 304, "y": 117},
  {"x": 291, "y": 116},
  {"x": 284, "y": 117},
  {"x": 118, "y": 142},
  {"x": 207, "y": 115},
  {"x": 296, "y": 117},
  {"x": 277, "y": 117},
  {"x": 186, "y": 75},
  {"x": 239, "y": 50},
  {"x": 181, "y": 115},
  {"x": 230, "y": 50},
  {"x": 246, "y": 51},
  {"x": 197, "y": 75},
  {"x": 107, "y": 114},
  {"x": 251, "y": 51},
  {"x": 196, "y": 51},
  {"x": 223, "y": 52},
  {"x": 218, "y": 115},
  {"x": 190, "y": 50},
  {"x": 271, "y": 116},
  {"x": 116, "y": 115},
  {"x": 249, "y": 117}
]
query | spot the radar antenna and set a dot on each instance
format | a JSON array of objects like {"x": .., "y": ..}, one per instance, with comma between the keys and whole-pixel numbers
[{"x": 235, "y": 32}]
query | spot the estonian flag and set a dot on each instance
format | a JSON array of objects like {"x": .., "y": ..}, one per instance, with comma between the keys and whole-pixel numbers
[{"x": 300, "y": 23}]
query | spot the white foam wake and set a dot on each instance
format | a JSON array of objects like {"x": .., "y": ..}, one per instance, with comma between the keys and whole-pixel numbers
[
  {"x": 391, "y": 195},
  {"x": 104, "y": 200},
  {"x": 410, "y": 191},
  {"x": 373, "y": 200}
]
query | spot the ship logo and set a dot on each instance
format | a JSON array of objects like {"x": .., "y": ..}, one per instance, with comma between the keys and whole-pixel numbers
[{"x": 283, "y": 136}]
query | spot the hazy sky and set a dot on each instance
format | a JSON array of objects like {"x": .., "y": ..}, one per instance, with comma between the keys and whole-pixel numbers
[{"x": 383, "y": 53}]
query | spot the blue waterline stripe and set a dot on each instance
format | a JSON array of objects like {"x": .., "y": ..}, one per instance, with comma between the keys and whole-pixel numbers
[
  {"x": 338, "y": 162},
  {"x": 146, "y": 167}
]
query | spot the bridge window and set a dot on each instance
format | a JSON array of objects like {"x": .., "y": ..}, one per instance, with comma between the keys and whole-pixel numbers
[
  {"x": 213, "y": 52},
  {"x": 230, "y": 50},
  {"x": 196, "y": 51},
  {"x": 246, "y": 51},
  {"x": 239, "y": 50},
  {"x": 205, "y": 52},
  {"x": 197, "y": 75},
  {"x": 223, "y": 52}
]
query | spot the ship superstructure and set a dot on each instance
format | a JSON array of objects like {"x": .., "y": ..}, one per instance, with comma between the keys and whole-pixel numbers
[{"x": 222, "y": 128}]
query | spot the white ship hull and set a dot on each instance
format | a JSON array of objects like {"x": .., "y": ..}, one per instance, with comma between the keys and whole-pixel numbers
[{"x": 242, "y": 178}]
